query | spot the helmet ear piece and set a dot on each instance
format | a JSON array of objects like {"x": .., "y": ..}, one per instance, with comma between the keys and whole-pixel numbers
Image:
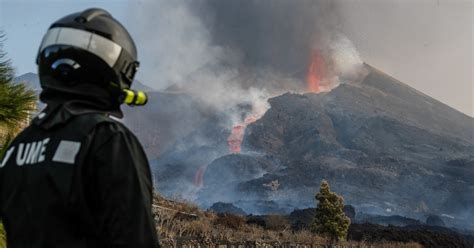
[{"x": 129, "y": 70}]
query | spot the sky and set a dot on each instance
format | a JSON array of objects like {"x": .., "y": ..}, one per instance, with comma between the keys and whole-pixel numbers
[{"x": 427, "y": 44}]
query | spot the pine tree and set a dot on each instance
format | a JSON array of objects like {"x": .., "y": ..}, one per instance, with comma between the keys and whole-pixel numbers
[
  {"x": 16, "y": 104},
  {"x": 329, "y": 219}
]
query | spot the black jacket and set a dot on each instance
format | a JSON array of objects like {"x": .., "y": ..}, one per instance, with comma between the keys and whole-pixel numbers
[{"x": 73, "y": 180}]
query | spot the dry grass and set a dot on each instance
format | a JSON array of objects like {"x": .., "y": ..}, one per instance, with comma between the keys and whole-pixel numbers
[
  {"x": 182, "y": 224},
  {"x": 231, "y": 221}
]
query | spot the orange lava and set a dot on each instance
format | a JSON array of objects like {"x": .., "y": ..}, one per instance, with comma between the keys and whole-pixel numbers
[
  {"x": 237, "y": 134},
  {"x": 315, "y": 72},
  {"x": 235, "y": 138}
]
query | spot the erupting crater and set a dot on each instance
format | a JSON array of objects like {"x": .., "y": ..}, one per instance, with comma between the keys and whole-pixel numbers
[
  {"x": 320, "y": 76},
  {"x": 315, "y": 72}
]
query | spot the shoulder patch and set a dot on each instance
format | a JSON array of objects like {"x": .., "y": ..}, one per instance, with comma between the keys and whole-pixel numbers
[{"x": 67, "y": 152}]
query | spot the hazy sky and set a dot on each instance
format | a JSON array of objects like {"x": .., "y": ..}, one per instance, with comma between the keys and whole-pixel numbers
[{"x": 427, "y": 44}]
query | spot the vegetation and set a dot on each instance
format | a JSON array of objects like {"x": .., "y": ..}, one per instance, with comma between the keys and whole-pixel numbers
[
  {"x": 3, "y": 238},
  {"x": 16, "y": 104},
  {"x": 182, "y": 224},
  {"x": 329, "y": 219}
]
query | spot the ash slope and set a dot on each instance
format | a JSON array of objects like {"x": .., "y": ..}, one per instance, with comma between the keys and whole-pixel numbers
[{"x": 387, "y": 148}]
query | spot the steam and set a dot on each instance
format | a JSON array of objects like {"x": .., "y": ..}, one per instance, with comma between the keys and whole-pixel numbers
[
  {"x": 347, "y": 63},
  {"x": 232, "y": 56},
  {"x": 225, "y": 53}
]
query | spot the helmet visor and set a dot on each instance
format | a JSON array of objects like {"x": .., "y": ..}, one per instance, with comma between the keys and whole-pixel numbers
[{"x": 104, "y": 48}]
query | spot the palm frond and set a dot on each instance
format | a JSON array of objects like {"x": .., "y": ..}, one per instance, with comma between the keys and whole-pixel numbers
[
  {"x": 17, "y": 102},
  {"x": 4, "y": 143}
]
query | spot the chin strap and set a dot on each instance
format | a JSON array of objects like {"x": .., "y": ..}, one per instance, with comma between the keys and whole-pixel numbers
[{"x": 134, "y": 97}]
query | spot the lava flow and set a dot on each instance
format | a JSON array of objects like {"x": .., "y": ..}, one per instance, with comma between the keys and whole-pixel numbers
[
  {"x": 235, "y": 138},
  {"x": 237, "y": 134},
  {"x": 315, "y": 72}
]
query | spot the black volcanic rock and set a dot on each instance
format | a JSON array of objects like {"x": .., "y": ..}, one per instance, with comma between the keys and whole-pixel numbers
[
  {"x": 230, "y": 170},
  {"x": 392, "y": 220},
  {"x": 385, "y": 147},
  {"x": 350, "y": 212},
  {"x": 227, "y": 208},
  {"x": 425, "y": 235},
  {"x": 434, "y": 220},
  {"x": 302, "y": 218}
]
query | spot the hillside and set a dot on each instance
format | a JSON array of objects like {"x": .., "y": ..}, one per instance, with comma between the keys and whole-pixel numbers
[{"x": 386, "y": 147}]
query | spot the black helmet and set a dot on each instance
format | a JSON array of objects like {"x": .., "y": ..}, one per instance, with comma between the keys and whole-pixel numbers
[{"x": 85, "y": 49}]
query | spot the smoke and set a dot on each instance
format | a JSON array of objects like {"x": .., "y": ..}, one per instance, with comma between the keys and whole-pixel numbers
[
  {"x": 231, "y": 52},
  {"x": 271, "y": 34},
  {"x": 230, "y": 57},
  {"x": 279, "y": 37}
]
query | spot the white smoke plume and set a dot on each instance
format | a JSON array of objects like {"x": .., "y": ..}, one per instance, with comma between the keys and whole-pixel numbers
[
  {"x": 228, "y": 53},
  {"x": 178, "y": 54}
]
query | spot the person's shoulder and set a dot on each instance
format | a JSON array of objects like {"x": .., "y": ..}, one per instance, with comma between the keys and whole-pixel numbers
[
  {"x": 112, "y": 126},
  {"x": 112, "y": 132},
  {"x": 23, "y": 134}
]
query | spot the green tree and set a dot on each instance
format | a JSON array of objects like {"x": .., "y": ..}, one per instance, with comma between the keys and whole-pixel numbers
[
  {"x": 329, "y": 219},
  {"x": 16, "y": 104}
]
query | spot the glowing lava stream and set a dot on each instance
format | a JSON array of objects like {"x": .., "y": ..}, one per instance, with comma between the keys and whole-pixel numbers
[{"x": 237, "y": 134}]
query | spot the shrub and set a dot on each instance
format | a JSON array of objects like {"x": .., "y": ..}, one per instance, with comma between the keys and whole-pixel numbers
[{"x": 329, "y": 219}]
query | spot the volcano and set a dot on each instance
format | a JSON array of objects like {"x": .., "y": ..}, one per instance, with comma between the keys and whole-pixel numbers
[{"x": 386, "y": 147}]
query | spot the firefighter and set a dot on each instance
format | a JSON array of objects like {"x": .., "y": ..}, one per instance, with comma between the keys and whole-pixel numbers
[{"x": 76, "y": 177}]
